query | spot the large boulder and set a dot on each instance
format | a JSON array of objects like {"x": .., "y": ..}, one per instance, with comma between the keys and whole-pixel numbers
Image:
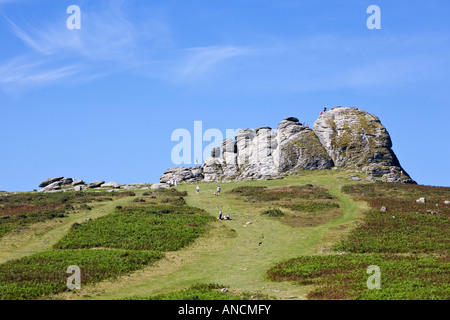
[
  {"x": 78, "y": 182},
  {"x": 159, "y": 186},
  {"x": 254, "y": 156},
  {"x": 181, "y": 174},
  {"x": 356, "y": 139},
  {"x": 66, "y": 181},
  {"x": 111, "y": 184},
  {"x": 95, "y": 184},
  {"x": 51, "y": 187},
  {"x": 299, "y": 148},
  {"x": 49, "y": 181},
  {"x": 212, "y": 169}
]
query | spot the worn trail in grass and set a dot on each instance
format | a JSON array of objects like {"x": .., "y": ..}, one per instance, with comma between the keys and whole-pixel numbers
[
  {"x": 41, "y": 236},
  {"x": 235, "y": 253}
]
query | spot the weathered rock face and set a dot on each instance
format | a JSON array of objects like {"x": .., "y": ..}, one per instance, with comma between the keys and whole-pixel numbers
[
  {"x": 66, "y": 181},
  {"x": 159, "y": 186},
  {"x": 181, "y": 174},
  {"x": 51, "y": 187},
  {"x": 49, "y": 181},
  {"x": 254, "y": 153},
  {"x": 212, "y": 169},
  {"x": 95, "y": 184},
  {"x": 354, "y": 138},
  {"x": 111, "y": 184},
  {"x": 299, "y": 148},
  {"x": 77, "y": 182},
  {"x": 342, "y": 137},
  {"x": 357, "y": 140}
]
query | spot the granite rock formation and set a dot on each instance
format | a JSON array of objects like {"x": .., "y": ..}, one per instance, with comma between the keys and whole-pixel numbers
[{"x": 348, "y": 138}]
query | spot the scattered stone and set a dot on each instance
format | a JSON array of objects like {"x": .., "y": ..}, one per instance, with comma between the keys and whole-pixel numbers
[
  {"x": 127, "y": 187},
  {"x": 95, "y": 184},
  {"x": 446, "y": 202},
  {"x": 77, "y": 182},
  {"x": 224, "y": 290},
  {"x": 77, "y": 188},
  {"x": 111, "y": 184},
  {"x": 249, "y": 222},
  {"x": 421, "y": 200},
  {"x": 159, "y": 186},
  {"x": 383, "y": 209},
  {"x": 49, "y": 181}
]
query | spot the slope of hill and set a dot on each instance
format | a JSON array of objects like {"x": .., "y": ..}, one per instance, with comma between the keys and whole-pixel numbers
[{"x": 278, "y": 229}]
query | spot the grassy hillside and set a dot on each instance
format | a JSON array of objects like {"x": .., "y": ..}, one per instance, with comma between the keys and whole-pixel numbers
[
  {"x": 408, "y": 240},
  {"x": 311, "y": 235}
]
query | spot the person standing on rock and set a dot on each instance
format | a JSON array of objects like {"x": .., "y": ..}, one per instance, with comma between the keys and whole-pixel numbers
[{"x": 324, "y": 109}]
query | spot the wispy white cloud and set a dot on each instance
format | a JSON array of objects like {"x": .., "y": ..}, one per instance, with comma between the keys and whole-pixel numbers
[
  {"x": 24, "y": 72},
  {"x": 196, "y": 62},
  {"x": 108, "y": 42}
]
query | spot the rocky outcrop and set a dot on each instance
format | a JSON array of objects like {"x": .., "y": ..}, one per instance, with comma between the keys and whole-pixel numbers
[
  {"x": 299, "y": 148},
  {"x": 159, "y": 186},
  {"x": 342, "y": 137},
  {"x": 65, "y": 181},
  {"x": 181, "y": 174},
  {"x": 51, "y": 187},
  {"x": 54, "y": 184},
  {"x": 49, "y": 181},
  {"x": 62, "y": 184},
  {"x": 95, "y": 184},
  {"x": 357, "y": 140},
  {"x": 111, "y": 184},
  {"x": 78, "y": 182}
]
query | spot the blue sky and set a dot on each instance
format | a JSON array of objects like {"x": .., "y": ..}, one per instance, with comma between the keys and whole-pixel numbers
[{"x": 102, "y": 102}]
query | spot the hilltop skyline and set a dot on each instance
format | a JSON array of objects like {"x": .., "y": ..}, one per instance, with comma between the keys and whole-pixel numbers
[{"x": 102, "y": 102}]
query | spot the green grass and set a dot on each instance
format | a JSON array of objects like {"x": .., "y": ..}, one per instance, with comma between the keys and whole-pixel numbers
[
  {"x": 24, "y": 209},
  {"x": 406, "y": 226},
  {"x": 345, "y": 276},
  {"x": 210, "y": 291},
  {"x": 127, "y": 239},
  {"x": 409, "y": 244},
  {"x": 273, "y": 213},
  {"x": 307, "y": 205},
  {"x": 239, "y": 255},
  {"x": 44, "y": 274},
  {"x": 153, "y": 227}
]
